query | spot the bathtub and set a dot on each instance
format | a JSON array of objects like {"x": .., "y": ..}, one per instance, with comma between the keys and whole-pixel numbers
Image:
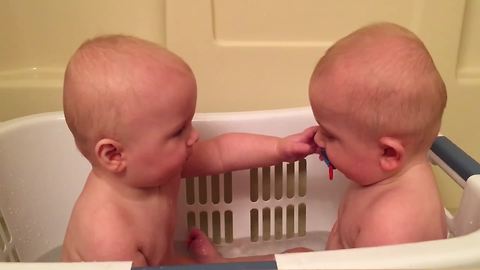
[{"x": 248, "y": 212}]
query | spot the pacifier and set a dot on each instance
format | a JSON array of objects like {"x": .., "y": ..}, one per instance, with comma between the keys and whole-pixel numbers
[{"x": 323, "y": 155}]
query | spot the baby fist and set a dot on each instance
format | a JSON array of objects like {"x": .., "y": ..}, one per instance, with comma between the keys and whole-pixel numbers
[{"x": 298, "y": 146}]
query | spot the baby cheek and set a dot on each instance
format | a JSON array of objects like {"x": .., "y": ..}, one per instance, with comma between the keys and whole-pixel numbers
[{"x": 177, "y": 151}]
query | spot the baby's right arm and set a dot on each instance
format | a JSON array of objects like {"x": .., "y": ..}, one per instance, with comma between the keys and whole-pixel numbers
[{"x": 236, "y": 151}]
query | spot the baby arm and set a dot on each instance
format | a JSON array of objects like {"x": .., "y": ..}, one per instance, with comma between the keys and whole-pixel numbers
[{"x": 236, "y": 151}]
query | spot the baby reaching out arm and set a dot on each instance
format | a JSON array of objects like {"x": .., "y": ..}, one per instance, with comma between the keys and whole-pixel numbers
[
  {"x": 129, "y": 105},
  {"x": 235, "y": 151}
]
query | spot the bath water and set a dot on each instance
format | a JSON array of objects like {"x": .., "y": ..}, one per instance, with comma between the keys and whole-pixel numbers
[
  {"x": 243, "y": 247},
  {"x": 239, "y": 248},
  {"x": 52, "y": 255}
]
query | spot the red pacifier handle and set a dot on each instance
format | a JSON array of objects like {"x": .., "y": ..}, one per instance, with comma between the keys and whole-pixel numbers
[
  {"x": 330, "y": 172},
  {"x": 330, "y": 166}
]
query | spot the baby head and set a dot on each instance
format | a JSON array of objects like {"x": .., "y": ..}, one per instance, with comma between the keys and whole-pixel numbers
[
  {"x": 378, "y": 89},
  {"x": 129, "y": 104}
]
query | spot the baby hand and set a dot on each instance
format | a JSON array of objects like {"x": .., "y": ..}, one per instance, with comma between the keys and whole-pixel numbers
[{"x": 298, "y": 146}]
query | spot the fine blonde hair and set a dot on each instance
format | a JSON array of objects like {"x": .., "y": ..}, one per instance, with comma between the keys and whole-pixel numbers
[
  {"x": 390, "y": 82},
  {"x": 105, "y": 81}
]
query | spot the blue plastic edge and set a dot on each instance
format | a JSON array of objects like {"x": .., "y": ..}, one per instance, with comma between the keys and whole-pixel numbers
[
  {"x": 269, "y": 265},
  {"x": 459, "y": 161}
]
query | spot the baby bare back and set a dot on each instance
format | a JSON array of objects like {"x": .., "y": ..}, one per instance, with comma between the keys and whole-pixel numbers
[
  {"x": 401, "y": 210},
  {"x": 107, "y": 226}
]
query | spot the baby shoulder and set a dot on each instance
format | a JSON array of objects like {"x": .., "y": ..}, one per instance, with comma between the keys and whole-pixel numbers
[
  {"x": 392, "y": 208},
  {"x": 391, "y": 219}
]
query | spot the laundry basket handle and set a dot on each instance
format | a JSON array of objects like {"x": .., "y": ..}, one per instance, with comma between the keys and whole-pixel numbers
[{"x": 460, "y": 166}]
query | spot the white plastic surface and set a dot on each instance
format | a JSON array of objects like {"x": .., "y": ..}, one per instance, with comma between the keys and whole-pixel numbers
[
  {"x": 321, "y": 198},
  {"x": 459, "y": 251},
  {"x": 467, "y": 219},
  {"x": 42, "y": 173}
]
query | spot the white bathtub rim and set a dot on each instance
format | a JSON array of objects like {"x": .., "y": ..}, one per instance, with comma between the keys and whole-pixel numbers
[
  {"x": 209, "y": 116},
  {"x": 28, "y": 120}
]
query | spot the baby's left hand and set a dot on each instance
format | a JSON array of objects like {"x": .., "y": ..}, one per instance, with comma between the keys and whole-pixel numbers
[{"x": 298, "y": 146}]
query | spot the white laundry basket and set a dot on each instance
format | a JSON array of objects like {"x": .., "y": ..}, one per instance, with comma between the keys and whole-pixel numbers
[{"x": 256, "y": 211}]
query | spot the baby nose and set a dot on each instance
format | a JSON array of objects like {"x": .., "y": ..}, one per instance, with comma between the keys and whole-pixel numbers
[{"x": 193, "y": 137}]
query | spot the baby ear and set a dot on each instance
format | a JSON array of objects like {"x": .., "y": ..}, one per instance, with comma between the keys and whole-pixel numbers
[
  {"x": 393, "y": 153},
  {"x": 110, "y": 155}
]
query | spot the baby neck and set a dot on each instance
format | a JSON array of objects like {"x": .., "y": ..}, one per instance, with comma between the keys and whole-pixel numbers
[
  {"x": 411, "y": 164},
  {"x": 119, "y": 187}
]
